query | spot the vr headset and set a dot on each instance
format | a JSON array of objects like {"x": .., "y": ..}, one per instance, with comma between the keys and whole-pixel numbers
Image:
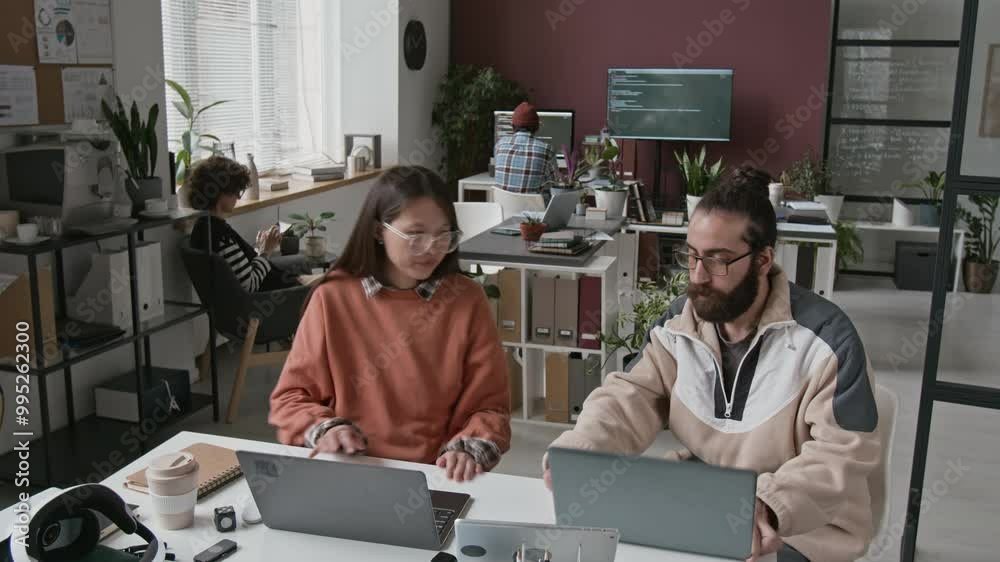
[{"x": 65, "y": 527}]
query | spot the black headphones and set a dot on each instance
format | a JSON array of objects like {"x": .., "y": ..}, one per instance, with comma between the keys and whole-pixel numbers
[{"x": 66, "y": 528}]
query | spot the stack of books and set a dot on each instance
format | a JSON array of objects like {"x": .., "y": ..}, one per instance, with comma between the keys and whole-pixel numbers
[
  {"x": 319, "y": 170},
  {"x": 565, "y": 242},
  {"x": 640, "y": 206}
]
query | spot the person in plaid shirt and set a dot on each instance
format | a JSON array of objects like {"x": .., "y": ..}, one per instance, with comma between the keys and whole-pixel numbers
[{"x": 523, "y": 163}]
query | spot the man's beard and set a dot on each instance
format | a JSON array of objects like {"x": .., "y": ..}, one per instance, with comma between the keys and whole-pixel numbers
[{"x": 713, "y": 305}]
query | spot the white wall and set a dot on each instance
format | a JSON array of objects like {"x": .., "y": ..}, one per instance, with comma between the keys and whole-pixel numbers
[
  {"x": 369, "y": 40},
  {"x": 418, "y": 89}
]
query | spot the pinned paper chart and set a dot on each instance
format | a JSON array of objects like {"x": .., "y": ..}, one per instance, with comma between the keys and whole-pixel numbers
[
  {"x": 93, "y": 19},
  {"x": 18, "y": 96},
  {"x": 56, "y": 32},
  {"x": 83, "y": 90}
]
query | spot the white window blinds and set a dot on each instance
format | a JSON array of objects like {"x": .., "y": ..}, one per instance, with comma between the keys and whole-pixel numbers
[{"x": 257, "y": 54}]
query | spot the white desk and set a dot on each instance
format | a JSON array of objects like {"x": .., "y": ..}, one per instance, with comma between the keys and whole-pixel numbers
[
  {"x": 495, "y": 497},
  {"x": 790, "y": 235},
  {"x": 478, "y": 182},
  {"x": 884, "y": 262}
]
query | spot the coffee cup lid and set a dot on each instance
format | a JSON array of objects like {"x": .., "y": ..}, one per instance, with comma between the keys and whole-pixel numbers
[{"x": 172, "y": 465}]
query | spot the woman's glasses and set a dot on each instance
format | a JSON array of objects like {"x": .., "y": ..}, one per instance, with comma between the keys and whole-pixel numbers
[{"x": 445, "y": 243}]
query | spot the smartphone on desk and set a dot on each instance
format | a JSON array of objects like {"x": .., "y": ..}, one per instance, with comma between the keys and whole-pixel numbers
[{"x": 218, "y": 551}]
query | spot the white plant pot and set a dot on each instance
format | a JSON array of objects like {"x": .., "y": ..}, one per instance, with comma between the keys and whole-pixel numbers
[
  {"x": 613, "y": 201},
  {"x": 776, "y": 194},
  {"x": 902, "y": 214},
  {"x": 692, "y": 201},
  {"x": 315, "y": 247},
  {"x": 833, "y": 204}
]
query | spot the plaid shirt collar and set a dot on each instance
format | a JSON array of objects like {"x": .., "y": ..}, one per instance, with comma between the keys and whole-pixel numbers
[{"x": 426, "y": 289}]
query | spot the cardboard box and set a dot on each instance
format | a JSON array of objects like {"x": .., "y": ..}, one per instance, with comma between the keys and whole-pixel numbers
[{"x": 15, "y": 302}]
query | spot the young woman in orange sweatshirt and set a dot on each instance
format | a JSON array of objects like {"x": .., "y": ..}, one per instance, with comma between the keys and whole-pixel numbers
[{"x": 397, "y": 355}]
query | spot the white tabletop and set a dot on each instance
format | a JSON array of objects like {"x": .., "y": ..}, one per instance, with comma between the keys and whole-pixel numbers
[
  {"x": 494, "y": 497},
  {"x": 480, "y": 179},
  {"x": 872, "y": 225},
  {"x": 785, "y": 229}
]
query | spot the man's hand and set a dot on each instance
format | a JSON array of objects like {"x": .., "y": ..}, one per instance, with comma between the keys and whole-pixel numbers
[
  {"x": 459, "y": 466},
  {"x": 547, "y": 477},
  {"x": 346, "y": 439},
  {"x": 765, "y": 537}
]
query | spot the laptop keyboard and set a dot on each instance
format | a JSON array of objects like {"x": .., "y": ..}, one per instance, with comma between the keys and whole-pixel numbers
[{"x": 442, "y": 517}]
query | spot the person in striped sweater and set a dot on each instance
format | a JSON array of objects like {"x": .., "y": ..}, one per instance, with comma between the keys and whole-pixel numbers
[{"x": 215, "y": 185}]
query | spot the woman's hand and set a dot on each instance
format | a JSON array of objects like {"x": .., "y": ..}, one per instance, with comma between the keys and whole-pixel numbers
[
  {"x": 459, "y": 466},
  {"x": 268, "y": 241},
  {"x": 346, "y": 439}
]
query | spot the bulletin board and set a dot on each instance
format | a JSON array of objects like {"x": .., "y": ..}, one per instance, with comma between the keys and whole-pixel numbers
[{"x": 19, "y": 47}]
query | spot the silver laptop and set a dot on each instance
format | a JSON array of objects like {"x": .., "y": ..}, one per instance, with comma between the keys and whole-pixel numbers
[
  {"x": 351, "y": 501},
  {"x": 557, "y": 215},
  {"x": 686, "y": 506}
]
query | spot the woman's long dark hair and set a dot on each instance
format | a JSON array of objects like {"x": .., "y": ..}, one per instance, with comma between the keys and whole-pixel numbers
[{"x": 393, "y": 190}]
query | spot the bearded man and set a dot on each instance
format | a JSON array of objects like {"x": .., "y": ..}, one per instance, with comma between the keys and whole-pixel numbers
[{"x": 751, "y": 371}]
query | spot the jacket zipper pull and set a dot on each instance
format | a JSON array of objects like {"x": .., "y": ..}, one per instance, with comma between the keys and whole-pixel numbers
[{"x": 729, "y": 411}]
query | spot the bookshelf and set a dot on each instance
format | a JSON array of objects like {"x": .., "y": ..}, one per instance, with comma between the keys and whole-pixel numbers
[{"x": 531, "y": 355}]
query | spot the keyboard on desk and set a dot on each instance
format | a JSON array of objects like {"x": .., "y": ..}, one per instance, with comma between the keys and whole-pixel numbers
[{"x": 442, "y": 517}]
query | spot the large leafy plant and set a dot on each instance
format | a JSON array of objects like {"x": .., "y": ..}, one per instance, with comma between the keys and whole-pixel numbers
[
  {"x": 981, "y": 244},
  {"x": 651, "y": 303},
  {"x": 606, "y": 155},
  {"x": 137, "y": 138},
  {"x": 809, "y": 175},
  {"x": 462, "y": 116},
  {"x": 188, "y": 142},
  {"x": 849, "y": 248},
  {"x": 699, "y": 177}
]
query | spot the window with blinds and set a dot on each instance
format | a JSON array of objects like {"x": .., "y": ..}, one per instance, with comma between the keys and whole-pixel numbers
[{"x": 257, "y": 54}]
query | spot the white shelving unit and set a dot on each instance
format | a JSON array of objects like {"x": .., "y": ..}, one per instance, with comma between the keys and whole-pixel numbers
[{"x": 532, "y": 355}]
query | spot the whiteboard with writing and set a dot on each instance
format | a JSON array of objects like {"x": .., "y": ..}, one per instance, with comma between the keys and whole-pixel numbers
[{"x": 877, "y": 160}]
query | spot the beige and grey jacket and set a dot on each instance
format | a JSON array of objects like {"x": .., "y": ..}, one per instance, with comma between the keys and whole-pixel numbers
[{"x": 801, "y": 414}]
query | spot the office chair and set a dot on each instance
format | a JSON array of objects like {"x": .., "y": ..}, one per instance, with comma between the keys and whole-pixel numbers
[
  {"x": 880, "y": 482},
  {"x": 248, "y": 319},
  {"x": 515, "y": 203},
  {"x": 474, "y": 218}
]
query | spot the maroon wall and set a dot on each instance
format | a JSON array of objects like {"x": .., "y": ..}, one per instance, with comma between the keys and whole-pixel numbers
[{"x": 560, "y": 50}]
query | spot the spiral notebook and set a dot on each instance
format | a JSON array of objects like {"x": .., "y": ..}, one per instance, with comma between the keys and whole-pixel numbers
[{"x": 217, "y": 466}]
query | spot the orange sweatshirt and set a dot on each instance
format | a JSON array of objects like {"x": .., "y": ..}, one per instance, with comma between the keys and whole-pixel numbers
[{"x": 416, "y": 375}]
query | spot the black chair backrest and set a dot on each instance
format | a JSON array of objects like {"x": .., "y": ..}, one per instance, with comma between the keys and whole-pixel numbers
[{"x": 219, "y": 289}]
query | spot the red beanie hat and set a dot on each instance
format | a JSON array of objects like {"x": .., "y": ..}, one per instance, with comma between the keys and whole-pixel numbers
[{"x": 525, "y": 116}]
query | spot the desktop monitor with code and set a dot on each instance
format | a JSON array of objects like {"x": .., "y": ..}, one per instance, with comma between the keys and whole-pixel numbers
[{"x": 670, "y": 104}]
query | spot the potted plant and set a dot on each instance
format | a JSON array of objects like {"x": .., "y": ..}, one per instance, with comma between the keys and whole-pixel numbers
[
  {"x": 463, "y": 113},
  {"x": 137, "y": 140},
  {"x": 489, "y": 287},
  {"x": 979, "y": 270},
  {"x": 532, "y": 229},
  {"x": 613, "y": 196},
  {"x": 811, "y": 178},
  {"x": 581, "y": 207},
  {"x": 932, "y": 188},
  {"x": 698, "y": 176},
  {"x": 849, "y": 248},
  {"x": 576, "y": 168},
  {"x": 306, "y": 226},
  {"x": 652, "y": 301},
  {"x": 190, "y": 140}
]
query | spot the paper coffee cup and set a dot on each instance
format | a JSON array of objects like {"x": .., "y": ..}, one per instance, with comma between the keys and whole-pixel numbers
[
  {"x": 173, "y": 487},
  {"x": 8, "y": 223}
]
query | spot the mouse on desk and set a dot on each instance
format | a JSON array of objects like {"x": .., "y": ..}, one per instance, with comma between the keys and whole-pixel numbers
[{"x": 250, "y": 513}]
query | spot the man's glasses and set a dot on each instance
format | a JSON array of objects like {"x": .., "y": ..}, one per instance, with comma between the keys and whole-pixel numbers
[
  {"x": 445, "y": 243},
  {"x": 713, "y": 265}
]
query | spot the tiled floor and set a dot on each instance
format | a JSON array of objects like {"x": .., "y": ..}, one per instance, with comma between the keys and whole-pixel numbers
[{"x": 961, "y": 518}]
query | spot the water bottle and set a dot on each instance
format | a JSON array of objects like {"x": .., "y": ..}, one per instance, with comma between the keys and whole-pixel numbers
[{"x": 253, "y": 190}]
